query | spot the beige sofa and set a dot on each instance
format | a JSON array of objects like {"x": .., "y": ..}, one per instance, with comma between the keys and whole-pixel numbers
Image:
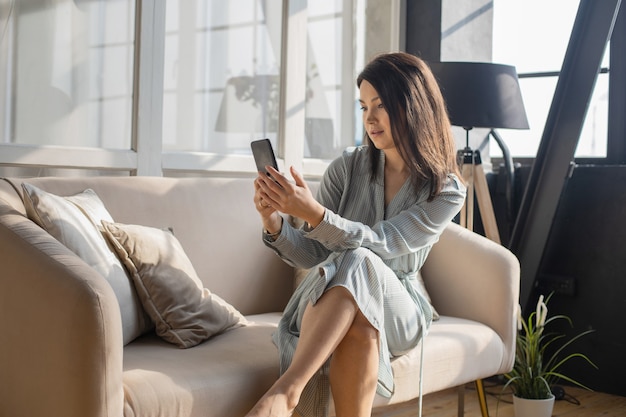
[{"x": 61, "y": 348}]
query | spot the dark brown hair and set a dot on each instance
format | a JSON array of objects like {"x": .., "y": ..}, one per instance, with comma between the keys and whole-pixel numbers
[{"x": 420, "y": 126}]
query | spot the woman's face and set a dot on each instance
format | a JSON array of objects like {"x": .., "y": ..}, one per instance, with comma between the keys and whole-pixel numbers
[{"x": 375, "y": 117}]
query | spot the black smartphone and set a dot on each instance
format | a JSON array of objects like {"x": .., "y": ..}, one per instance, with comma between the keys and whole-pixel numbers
[{"x": 263, "y": 155}]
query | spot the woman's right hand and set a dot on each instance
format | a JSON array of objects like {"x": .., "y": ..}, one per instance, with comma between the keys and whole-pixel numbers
[
  {"x": 293, "y": 198},
  {"x": 272, "y": 221}
]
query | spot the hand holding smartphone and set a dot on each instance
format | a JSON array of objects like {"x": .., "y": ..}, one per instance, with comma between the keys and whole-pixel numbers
[{"x": 263, "y": 155}]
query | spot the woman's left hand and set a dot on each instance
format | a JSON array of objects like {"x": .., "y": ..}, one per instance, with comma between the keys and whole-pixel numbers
[{"x": 292, "y": 198}]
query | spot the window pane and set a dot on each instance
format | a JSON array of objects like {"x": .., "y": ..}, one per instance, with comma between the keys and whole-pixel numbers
[
  {"x": 540, "y": 47},
  {"x": 221, "y": 75},
  {"x": 69, "y": 73},
  {"x": 329, "y": 118},
  {"x": 593, "y": 138},
  {"x": 537, "y": 95},
  {"x": 531, "y": 48},
  {"x": 532, "y": 34}
]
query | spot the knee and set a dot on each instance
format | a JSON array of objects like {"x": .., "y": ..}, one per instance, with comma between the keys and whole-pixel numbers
[
  {"x": 357, "y": 255},
  {"x": 361, "y": 331}
]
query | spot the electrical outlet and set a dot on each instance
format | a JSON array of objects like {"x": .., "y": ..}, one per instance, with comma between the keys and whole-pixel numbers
[{"x": 557, "y": 284}]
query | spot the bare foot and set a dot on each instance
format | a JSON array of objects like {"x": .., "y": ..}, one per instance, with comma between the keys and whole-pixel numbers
[{"x": 275, "y": 403}]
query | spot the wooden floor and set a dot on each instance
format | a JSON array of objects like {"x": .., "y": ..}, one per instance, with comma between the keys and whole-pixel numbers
[{"x": 445, "y": 404}]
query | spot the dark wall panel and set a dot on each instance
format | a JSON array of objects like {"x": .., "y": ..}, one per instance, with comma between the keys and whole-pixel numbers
[{"x": 585, "y": 262}]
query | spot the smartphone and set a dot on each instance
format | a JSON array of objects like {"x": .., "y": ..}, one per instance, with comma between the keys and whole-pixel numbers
[{"x": 263, "y": 155}]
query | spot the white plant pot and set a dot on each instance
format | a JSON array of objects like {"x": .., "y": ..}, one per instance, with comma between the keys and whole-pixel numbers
[{"x": 525, "y": 407}]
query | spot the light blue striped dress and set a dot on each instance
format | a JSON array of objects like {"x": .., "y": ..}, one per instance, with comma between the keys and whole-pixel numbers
[{"x": 372, "y": 250}]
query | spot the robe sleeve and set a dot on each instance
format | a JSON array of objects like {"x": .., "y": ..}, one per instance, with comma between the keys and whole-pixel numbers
[{"x": 417, "y": 227}]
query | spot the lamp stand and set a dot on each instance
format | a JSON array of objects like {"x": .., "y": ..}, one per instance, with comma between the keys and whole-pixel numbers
[{"x": 476, "y": 183}]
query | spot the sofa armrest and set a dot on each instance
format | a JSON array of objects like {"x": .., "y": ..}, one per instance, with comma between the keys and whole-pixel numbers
[
  {"x": 472, "y": 277},
  {"x": 61, "y": 335}
]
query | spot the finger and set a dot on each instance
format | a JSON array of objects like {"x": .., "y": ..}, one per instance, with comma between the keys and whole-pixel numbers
[
  {"x": 268, "y": 201},
  {"x": 263, "y": 183},
  {"x": 279, "y": 178},
  {"x": 266, "y": 181},
  {"x": 259, "y": 192},
  {"x": 297, "y": 177},
  {"x": 260, "y": 184},
  {"x": 263, "y": 205}
]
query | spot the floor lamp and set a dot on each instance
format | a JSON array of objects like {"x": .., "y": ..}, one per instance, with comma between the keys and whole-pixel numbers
[{"x": 482, "y": 95}]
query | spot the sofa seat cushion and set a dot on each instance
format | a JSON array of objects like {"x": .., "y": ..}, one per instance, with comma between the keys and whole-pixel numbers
[
  {"x": 456, "y": 351},
  {"x": 161, "y": 380},
  {"x": 223, "y": 376}
]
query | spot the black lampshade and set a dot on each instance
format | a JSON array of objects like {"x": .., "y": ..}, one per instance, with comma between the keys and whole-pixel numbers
[{"x": 481, "y": 94}]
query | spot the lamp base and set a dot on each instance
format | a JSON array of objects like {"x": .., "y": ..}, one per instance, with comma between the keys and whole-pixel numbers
[{"x": 476, "y": 183}]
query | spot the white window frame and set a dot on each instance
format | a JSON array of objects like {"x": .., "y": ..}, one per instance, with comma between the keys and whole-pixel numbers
[{"x": 146, "y": 156}]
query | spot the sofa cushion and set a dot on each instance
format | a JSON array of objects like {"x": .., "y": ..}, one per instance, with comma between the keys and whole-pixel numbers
[
  {"x": 73, "y": 221},
  {"x": 456, "y": 351},
  {"x": 222, "y": 377},
  {"x": 170, "y": 291}
]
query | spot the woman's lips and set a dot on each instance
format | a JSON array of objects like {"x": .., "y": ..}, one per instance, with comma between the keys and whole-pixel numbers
[{"x": 374, "y": 133}]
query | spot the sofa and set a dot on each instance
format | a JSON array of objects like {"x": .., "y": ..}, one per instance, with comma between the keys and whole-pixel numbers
[{"x": 64, "y": 348}]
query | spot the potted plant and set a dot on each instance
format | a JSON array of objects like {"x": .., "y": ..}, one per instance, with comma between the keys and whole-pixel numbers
[{"x": 534, "y": 371}]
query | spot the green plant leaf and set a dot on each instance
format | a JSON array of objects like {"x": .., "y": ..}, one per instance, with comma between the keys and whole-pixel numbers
[{"x": 533, "y": 373}]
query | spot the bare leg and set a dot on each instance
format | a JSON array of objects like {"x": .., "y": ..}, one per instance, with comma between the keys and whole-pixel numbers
[
  {"x": 324, "y": 326},
  {"x": 354, "y": 370}
]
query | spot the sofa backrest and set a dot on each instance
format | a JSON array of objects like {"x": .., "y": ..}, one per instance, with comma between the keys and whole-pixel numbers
[{"x": 213, "y": 218}]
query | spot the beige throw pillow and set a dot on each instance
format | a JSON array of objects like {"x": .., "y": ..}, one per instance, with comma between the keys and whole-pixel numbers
[
  {"x": 184, "y": 312},
  {"x": 74, "y": 221}
]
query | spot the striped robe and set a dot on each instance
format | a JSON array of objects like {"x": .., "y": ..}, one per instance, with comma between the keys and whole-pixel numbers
[{"x": 372, "y": 250}]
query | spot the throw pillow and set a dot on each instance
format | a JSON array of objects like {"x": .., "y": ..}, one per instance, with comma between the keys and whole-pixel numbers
[
  {"x": 183, "y": 312},
  {"x": 73, "y": 221}
]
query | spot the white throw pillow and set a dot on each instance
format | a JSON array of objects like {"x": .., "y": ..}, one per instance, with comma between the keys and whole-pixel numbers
[{"x": 74, "y": 221}]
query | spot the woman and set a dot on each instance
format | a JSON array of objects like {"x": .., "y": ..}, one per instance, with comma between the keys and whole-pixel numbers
[{"x": 379, "y": 210}]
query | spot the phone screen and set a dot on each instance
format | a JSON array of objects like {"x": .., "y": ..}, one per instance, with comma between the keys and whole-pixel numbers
[{"x": 263, "y": 154}]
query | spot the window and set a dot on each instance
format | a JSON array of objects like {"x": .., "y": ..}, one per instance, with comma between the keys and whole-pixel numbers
[
  {"x": 330, "y": 90},
  {"x": 179, "y": 87},
  {"x": 533, "y": 35},
  {"x": 68, "y": 78},
  {"x": 221, "y": 86}
]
